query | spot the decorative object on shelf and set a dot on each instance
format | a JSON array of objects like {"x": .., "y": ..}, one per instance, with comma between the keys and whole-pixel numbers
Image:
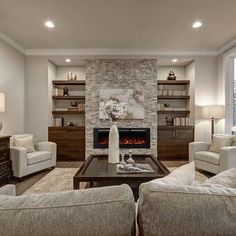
[
  {"x": 66, "y": 92},
  {"x": 171, "y": 76},
  {"x": 74, "y": 104},
  {"x": 169, "y": 121},
  {"x": 115, "y": 110},
  {"x": 71, "y": 76},
  {"x": 70, "y": 123},
  {"x": 134, "y": 100},
  {"x": 213, "y": 112},
  {"x": 167, "y": 107},
  {"x": 2, "y": 106}
]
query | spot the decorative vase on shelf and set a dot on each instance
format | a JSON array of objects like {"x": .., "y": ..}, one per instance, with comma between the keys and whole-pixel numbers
[{"x": 113, "y": 145}]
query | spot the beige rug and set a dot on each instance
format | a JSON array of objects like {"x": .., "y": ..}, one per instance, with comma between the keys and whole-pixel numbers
[
  {"x": 57, "y": 180},
  {"x": 61, "y": 179}
]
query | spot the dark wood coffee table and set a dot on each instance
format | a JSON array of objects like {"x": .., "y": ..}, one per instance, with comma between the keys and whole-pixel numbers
[{"x": 96, "y": 171}]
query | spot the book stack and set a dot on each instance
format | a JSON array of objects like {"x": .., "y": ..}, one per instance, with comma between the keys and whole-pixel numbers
[
  {"x": 72, "y": 108},
  {"x": 181, "y": 121},
  {"x": 59, "y": 121}
]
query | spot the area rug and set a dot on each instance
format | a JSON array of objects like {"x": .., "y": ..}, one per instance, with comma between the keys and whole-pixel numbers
[
  {"x": 61, "y": 179},
  {"x": 57, "y": 180}
]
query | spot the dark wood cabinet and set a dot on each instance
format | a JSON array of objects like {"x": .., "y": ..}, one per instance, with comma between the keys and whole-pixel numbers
[
  {"x": 173, "y": 142},
  {"x": 5, "y": 162},
  {"x": 70, "y": 142}
]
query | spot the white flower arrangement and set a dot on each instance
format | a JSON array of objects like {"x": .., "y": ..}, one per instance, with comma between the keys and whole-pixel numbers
[{"x": 115, "y": 109}]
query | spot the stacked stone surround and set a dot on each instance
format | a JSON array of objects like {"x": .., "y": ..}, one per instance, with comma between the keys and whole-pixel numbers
[{"x": 118, "y": 74}]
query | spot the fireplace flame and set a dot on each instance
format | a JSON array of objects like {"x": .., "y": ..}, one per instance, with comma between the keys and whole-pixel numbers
[{"x": 125, "y": 141}]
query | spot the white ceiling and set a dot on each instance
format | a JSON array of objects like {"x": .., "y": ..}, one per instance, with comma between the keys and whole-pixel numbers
[{"x": 160, "y": 25}]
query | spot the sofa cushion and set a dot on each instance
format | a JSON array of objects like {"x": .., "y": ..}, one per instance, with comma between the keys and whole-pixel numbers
[
  {"x": 38, "y": 156},
  {"x": 183, "y": 175},
  {"x": 210, "y": 157},
  {"x": 225, "y": 179},
  {"x": 26, "y": 141},
  {"x": 220, "y": 141},
  {"x": 95, "y": 211}
]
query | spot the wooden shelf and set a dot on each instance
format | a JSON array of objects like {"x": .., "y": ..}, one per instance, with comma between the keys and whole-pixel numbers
[
  {"x": 68, "y": 112},
  {"x": 68, "y": 82},
  {"x": 173, "y": 82},
  {"x": 173, "y": 97},
  {"x": 169, "y": 127},
  {"x": 174, "y": 112},
  {"x": 68, "y": 97}
]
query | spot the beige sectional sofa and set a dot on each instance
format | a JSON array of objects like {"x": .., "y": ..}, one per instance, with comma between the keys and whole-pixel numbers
[{"x": 164, "y": 210}]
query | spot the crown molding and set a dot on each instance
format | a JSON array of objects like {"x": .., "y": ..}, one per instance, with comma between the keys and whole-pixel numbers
[
  {"x": 226, "y": 46},
  {"x": 112, "y": 52},
  {"x": 12, "y": 43}
]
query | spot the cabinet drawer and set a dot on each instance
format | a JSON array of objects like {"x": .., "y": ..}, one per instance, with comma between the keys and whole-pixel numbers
[{"x": 5, "y": 168}]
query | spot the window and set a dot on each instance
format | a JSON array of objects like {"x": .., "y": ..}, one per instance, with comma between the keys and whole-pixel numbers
[{"x": 234, "y": 94}]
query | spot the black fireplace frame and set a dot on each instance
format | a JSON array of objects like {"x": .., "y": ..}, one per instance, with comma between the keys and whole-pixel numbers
[{"x": 146, "y": 145}]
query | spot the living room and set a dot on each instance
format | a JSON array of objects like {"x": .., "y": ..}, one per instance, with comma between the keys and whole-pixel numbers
[{"x": 117, "y": 118}]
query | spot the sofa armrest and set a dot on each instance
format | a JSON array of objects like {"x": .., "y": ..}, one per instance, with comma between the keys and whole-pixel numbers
[
  {"x": 196, "y": 147},
  {"x": 18, "y": 156},
  {"x": 49, "y": 147},
  {"x": 227, "y": 158},
  {"x": 9, "y": 190}
]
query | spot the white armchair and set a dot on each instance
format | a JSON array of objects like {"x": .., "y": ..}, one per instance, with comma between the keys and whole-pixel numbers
[
  {"x": 212, "y": 161},
  {"x": 24, "y": 163}
]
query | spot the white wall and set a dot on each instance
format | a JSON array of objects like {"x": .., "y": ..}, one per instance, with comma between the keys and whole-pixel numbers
[
  {"x": 36, "y": 96},
  {"x": 206, "y": 93},
  {"x": 12, "y": 64},
  {"x": 52, "y": 71},
  {"x": 190, "y": 75}
]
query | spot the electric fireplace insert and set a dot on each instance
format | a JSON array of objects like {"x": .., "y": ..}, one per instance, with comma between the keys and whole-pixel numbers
[{"x": 129, "y": 137}]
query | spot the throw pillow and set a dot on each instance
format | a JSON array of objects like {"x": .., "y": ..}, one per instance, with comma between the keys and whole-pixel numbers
[
  {"x": 25, "y": 141},
  {"x": 226, "y": 179},
  {"x": 183, "y": 175},
  {"x": 219, "y": 142}
]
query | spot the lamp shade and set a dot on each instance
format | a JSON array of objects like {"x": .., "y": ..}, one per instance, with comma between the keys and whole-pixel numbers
[
  {"x": 213, "y": 111},
  {"x": 2, "y": 102}
]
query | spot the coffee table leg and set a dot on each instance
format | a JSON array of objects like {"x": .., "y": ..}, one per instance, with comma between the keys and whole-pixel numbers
[{"x": 76, "y": 184}]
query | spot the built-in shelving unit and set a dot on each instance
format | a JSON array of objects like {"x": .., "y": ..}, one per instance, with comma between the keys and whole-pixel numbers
[
  {"x": 175, "y": 127},
  {"x": 64, "y": 95}
]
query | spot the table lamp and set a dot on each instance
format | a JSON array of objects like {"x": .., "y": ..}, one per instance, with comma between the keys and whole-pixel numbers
[
  {"x": 2, "y": 105},
  {"x": 213, "y": 112}
]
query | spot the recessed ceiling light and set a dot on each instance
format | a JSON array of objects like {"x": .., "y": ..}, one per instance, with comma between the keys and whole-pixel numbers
[
  {"x": 197, "y": 24},
  {"x": 49, "y": 24},
  {"x": 67, "y": 60},
  {"x": 174, "y": 60}
]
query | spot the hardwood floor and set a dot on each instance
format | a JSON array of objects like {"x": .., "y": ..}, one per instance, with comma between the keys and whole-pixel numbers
[{"x": 28, "y": 181}]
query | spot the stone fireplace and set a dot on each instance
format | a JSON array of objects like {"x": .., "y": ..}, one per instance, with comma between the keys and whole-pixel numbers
[{"x": 137, "y": 74}]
